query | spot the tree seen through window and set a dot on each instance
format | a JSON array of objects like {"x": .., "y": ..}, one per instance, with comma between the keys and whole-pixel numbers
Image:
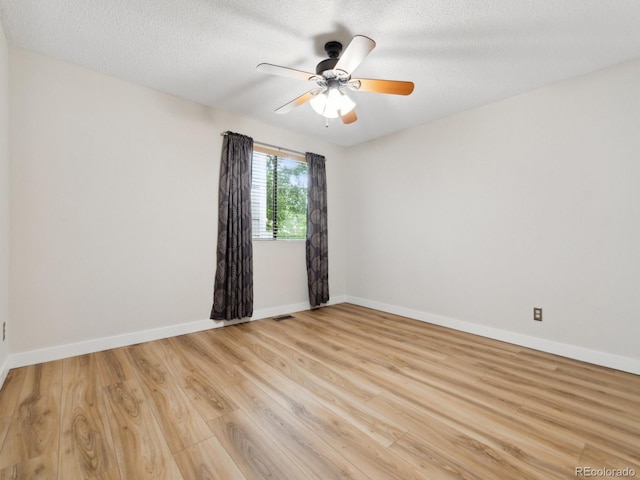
[{"x": 279, "y": 197}]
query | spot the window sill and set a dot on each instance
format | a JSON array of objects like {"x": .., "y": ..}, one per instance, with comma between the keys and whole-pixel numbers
[{"x": 278, "y": 239}]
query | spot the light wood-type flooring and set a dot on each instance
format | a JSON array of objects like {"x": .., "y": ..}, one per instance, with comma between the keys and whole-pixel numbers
[{"x": 339, "y": 392}]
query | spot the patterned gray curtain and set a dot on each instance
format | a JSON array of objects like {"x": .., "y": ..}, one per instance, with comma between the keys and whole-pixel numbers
[
  {"x": 233, "y": 290},
  {"x": 317, "y": 239}
]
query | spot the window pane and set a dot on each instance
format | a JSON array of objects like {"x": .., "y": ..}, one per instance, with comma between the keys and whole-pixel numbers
[
  {"x": 292, "y": 198},
  {"x": 278, "y": 197},
  {"x": 261, "y": 226}
]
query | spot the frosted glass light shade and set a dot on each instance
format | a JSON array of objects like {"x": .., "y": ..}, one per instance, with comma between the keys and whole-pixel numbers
[
  {"x": 346, "y": 104},
  {"x": 332, "y": 103},
  {"x": 319, "y": 103}
]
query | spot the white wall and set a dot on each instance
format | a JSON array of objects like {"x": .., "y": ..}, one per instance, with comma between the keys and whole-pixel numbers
[
  {"x": 114, "y": 202},
  {"x": 529, "y": 202},
  {"x": 4, "y": 201}
]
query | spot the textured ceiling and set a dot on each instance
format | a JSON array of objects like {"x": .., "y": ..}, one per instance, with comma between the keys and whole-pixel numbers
[{"x": 459, "y": 53}]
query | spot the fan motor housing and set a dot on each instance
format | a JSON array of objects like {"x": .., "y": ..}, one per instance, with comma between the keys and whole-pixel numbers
[
  {"x": 333, "y": 50},
  {"x": 325, "y": 65}
]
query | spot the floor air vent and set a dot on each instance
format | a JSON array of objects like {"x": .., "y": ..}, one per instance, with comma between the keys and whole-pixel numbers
[{"x": 283, "y": 317}]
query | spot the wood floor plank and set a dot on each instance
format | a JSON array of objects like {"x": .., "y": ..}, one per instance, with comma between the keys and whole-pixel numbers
[
  {"x": 558, "y": 394},
  {"x": 305, "y": 368},
  {"x": 114, "y": 367},
  {"x": 208, "y": 460},
  {"x": 432, "y": 463},
  {"x": 251, "y": 449},
  {"x": 42, "y": 467},
  {"x": 221, "y": 347},
  {"x": 181, "y": 424},
  {"x": 337, "y": 392},
  {"x": 311, "y": 454},
  {"x": 34, "y": 429},
  {"x": 436, "y": 373},
  {"x": 9, "y": 399},
  {"x": 332, "y": 356},
  {"x": 86, "y": 446},
  {"x": 608, "y": 438},
  {"x": 595, "y": 457},
  {"x": 205, "y": 393},
  {"x": 141, "y": 448},
  {"x": 354, "y": 348},
  {"x": 368, "y": 455},
  {"x": 472, "y": 450},
  {"x": 386, "y": 338},
  {"x": 201, "y": 354},
  {"x": 503, "y": 430},
  {"x": 113, "y": 474},
  {"x": 338, "y": 395},
  {"x": 457, "y": 378}
]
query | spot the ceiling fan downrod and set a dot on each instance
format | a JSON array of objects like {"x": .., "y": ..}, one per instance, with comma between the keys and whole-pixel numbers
[{"x": 333, "y": 50}]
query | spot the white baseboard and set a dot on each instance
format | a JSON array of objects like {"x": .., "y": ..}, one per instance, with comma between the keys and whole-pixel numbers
[
  {"x": 96, "y": 345},
  {"x": 625, "y": 364},
  {"x": 631, "y": 365},
  {"x": 294, "y": 307},
  {"x": 4, "y": 371},
  {"x": 282, "y": 310},
  {"x": 57, "y": 352}
]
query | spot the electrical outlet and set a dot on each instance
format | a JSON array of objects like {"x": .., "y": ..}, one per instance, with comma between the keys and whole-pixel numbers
[{"x": 537, "y": 314}]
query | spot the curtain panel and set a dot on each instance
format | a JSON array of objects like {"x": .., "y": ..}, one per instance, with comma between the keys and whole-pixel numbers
[
  {"x": 233, "y": 289},
  {"x": 317, "y": 238}
]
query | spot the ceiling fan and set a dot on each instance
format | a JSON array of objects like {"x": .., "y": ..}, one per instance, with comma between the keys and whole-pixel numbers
[{"x": 333, "y": 77}]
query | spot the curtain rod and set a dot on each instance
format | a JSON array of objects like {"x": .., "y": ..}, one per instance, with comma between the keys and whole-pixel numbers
[{"x": 275, "y": 147}]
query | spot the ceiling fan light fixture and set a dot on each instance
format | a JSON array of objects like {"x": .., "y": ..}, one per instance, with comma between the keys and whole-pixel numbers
[
  {"x": 319, "y": 103},
  {"x": 332, "y": 103},
  {"x": 333, "y": 77},
  {"x": 346, "y": 104}
]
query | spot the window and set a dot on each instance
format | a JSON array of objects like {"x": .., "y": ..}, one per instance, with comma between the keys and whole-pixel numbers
[{"x": 278, "y": 195}]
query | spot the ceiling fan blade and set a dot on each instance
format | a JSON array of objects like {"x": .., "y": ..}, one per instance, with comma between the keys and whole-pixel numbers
[
  {"x": 355, "y": 53},
  {"x": 304, "y": 98},
  {"x": 284, "y": 71},
  {"x": 350, "y": 117},
  {"x": 394, "y": 87}
]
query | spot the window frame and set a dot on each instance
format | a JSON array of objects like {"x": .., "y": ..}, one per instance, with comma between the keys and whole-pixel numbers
[{"x": 279, "y": 154}]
